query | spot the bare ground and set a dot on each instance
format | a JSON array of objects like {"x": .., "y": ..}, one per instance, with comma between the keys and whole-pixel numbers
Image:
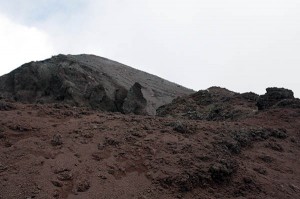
[{"x": 57, "y": 151}]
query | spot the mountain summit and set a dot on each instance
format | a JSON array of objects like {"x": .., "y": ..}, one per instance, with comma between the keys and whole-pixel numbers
[{"x": 90, "y": 81}]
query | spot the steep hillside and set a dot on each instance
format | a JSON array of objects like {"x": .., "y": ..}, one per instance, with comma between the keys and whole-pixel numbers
[{"x": 92, "y": 81}]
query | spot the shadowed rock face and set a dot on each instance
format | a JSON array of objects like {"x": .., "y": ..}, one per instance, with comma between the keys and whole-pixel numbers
[
  {"x": 273, "y": 96},
  {"x": 135, "y": 101},
  {"x": 87, "y": 80}
]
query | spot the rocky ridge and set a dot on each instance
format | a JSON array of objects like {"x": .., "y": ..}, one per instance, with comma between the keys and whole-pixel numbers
[{"x": 220, "y": 104}]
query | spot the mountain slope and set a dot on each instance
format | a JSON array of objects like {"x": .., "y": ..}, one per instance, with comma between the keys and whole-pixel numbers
[{"x": 88, "y": 80}]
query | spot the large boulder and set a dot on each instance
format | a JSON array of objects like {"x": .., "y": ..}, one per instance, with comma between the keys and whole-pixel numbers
[
  {"x": 135, "y": 101},
  {"x": 273, "y": 96},
  {"x": 120, "y": 95},
  {"x": 98, "y": 99}
]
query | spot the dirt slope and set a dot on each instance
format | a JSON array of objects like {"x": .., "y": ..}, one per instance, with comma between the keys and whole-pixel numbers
[{"x": 57, "y": 151}]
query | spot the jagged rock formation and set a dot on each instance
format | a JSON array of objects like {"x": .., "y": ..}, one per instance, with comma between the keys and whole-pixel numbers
[
  {"x": 135, "y": 101},
  {"x": 221, "y": 104},
  {"x": 88, "y": 80},
  {"x": 215, "y": 103},
  {"x": 274, "y": 96}
]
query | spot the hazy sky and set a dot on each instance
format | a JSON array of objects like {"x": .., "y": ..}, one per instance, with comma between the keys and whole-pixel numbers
[{"x": 243, "y": 45}]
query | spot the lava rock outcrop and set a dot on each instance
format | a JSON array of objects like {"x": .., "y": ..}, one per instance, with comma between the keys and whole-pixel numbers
[
  {"x": 274, "y": 96},
  {"x": 218, "y": 104},
  {"x": 213, "y": 104},
  {"x": 135, "y": 101}
]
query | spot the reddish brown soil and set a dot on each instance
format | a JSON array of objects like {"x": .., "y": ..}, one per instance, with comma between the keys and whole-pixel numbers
[{"x": 53, "y": 151}]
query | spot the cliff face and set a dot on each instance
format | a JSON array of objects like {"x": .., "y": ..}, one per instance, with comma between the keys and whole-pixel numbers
[{"x": 90, "y": 81}]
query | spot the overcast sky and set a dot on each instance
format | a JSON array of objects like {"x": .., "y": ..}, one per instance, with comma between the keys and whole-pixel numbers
[{"x": 243, "y": 45}]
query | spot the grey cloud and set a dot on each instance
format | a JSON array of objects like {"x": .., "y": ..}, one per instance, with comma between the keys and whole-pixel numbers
[{"x": 242, "y": 45}]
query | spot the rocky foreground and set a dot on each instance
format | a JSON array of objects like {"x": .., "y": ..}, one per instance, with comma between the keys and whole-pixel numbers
[{"x": 211, "y": 144}]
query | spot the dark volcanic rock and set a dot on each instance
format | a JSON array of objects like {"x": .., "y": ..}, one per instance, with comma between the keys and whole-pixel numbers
[
  {"x": 273, "y": 96},
  {"x": 90, "y": 81},
  {"x": 250, "y": 96},
  {"x": 120, "y": 96},
  {"x": 221, "y": 172},
  {"x": 180, "y": 127},
  {"x": 98, "y": 99},
  {"x": 219, "y": 104},
  {"x": 83, "y": 186},
  {"x": 213, "y": 104},
  {"x": 135, "y": 101},
  {"x": 288, "y": 103},
  {"x": 56, "y": 140},
  {"x": 4, "y": 106}
]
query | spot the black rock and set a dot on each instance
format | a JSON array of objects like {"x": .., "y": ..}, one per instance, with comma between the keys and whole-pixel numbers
[
  {"x": 273, "y": 96},
  {"x": 250, "y": 96},
  {"x": 5, "y": 106},
  {"x": 180, "y": 127},
  {"x": 135, "y": 101},
  {"x": 288, "y": 103},
  {"x": 222, "y": 171},
  {"x": 56, "y": 140}
]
